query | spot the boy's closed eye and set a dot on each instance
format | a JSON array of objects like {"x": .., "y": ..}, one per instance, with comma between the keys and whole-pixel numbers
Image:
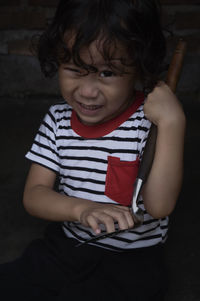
[
  {"x": 73, "y": 69},
  {"x": 104, "y": 73}
]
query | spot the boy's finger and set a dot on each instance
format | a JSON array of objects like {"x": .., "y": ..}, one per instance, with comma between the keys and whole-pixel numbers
[
  {"x": 108, "y": 221},
  {"x": 129, "y": 218},
  {"x": 122, "y": 217},
  {"x": 128, "y": 215},
  {"x": 92, "y": 222},
  {"x": 101, "y": 218}
]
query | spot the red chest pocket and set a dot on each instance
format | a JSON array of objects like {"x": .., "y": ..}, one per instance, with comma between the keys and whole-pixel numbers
[{"x": 120, "y": 179}]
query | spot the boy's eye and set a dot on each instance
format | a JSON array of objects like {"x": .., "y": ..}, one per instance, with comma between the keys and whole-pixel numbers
[
  {"x": 107, "y": 73},
  {"x": 73, "y": 70},
  {"x": 76, "y": 72}
]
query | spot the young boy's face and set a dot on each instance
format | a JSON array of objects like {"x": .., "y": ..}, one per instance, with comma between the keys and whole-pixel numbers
[{"x": 97, "y": 96}]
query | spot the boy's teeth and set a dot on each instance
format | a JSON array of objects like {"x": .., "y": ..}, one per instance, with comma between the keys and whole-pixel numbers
[{"x": 91, "y": 107}]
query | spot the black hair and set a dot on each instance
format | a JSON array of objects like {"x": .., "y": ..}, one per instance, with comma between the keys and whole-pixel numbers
[{"x": 134, "y": 23}]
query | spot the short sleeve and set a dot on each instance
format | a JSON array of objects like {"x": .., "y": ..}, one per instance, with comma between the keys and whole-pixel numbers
[{"x": 44, "y": 149}]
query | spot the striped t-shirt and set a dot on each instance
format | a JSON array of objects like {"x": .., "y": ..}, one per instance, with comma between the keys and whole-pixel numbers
[{"x": 98, "y": 163}]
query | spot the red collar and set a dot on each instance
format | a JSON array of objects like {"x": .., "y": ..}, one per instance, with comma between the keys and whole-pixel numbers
[{"x": 96, "y": 131}]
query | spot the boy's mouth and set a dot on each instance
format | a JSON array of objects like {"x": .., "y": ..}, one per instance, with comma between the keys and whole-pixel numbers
[{"x": 90, "y": 107}]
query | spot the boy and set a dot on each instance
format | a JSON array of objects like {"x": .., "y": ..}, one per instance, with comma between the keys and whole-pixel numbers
[{"x": 93, "y": 142}]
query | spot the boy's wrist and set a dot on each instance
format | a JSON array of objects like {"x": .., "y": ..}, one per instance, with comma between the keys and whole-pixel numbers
[
  {"x": 78, "y": 206},
  {"x": 173, "y": 122}
]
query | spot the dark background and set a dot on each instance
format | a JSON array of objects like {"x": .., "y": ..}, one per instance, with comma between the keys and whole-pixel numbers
[{"x": 24, "y": 98}]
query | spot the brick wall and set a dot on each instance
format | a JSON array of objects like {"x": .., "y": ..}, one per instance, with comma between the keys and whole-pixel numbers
[{"x": 20, "y": 19}]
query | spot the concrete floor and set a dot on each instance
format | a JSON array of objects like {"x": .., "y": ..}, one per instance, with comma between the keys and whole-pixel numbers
[{"x": 19, "y": 122}]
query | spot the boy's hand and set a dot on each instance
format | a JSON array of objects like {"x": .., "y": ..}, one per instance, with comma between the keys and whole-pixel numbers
[
  {"x": 107, "y": 214},
  {"x": 162, "y": 107}
]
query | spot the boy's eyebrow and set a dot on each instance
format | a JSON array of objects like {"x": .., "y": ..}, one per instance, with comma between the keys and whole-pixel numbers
[
  {"x": 115, "y": 62},
  {"x": 103, "y": 63}
]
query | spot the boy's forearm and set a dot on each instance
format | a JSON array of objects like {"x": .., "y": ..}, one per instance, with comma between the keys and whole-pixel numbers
[
  {"x": 164, "y": 182},
  {"x": 41, "y": 201},
  {"x": 45, "y": 203}
]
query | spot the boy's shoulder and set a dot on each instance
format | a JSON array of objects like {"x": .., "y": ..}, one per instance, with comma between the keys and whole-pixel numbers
[
  {"x": 60, "y": 108},
  {"x": 140, "y": 116},
  {"x": 58, "y": 113},
  {"x": 60, "y": 105}
]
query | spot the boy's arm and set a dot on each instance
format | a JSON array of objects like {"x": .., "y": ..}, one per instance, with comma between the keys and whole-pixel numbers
[
  {"x": 42, "y": 201},
  {"x": 164, "y": 182}
]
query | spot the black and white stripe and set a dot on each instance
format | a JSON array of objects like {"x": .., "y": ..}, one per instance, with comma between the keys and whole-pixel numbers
[{"x": 82, "y": 163}]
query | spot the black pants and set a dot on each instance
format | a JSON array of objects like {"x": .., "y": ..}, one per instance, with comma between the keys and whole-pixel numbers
[{"x": 54, "y": 269}]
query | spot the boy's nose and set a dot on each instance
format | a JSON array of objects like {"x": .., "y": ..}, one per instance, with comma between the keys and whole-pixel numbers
[{"x": 88, "y": 89}]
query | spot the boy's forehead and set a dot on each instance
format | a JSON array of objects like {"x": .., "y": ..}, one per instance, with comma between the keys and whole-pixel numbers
[{"x": 93, "y": 53}]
